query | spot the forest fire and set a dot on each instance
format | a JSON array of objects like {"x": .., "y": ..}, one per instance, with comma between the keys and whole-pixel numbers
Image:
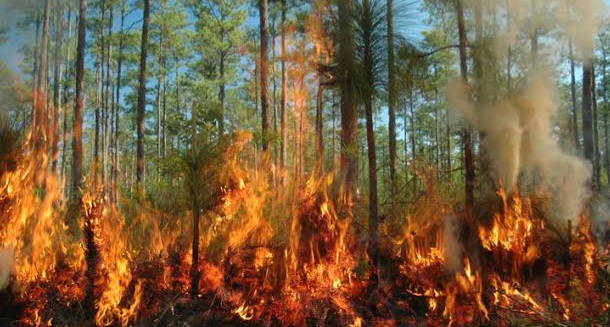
[
  {"x": 489, "y": 210},
  {"x": 263, "y": 276}
]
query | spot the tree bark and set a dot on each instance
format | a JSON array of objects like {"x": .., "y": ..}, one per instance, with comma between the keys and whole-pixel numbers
[
  {"x": 349, "y": 113},
  {"x": 283, "y": 91},
  {"x": 195, "y": 274},
  {"x": 35, "y": 76},
  {"x": 64, "y": 137},
  {"x": 57, "y": 79},
  {"x": 391, "y": 91},
  {"x": 606, "y": 113},
  {"x": 573, "y": 94},
  {"x": 115, "y": 182},
  {"x": 319, "y": 140},
  {"x": 264, "y": 58},
  {"x": 142, "y": 100},
  {"x": 40, "y": 125},
  {"x": 587, "y": 114},
  {"x": 77, "y": 125},
  {"x": 107, "y": 107},
  {"x": 596, "y": 152},
  {"x": 466, "y": 133}
]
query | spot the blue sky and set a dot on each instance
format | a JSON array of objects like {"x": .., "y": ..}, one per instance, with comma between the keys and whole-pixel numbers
[{"x": 16, "y": 38}]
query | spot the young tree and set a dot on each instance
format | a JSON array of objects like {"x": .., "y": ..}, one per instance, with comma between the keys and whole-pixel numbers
[{"x": 371, "y": 37}]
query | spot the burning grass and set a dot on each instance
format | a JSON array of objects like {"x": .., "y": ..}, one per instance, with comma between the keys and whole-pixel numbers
[{"x": 284, "y": 256}]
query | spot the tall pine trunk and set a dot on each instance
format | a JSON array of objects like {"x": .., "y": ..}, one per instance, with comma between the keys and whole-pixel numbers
[
  {"x": 57, "y": 78},
  {"x": 264, "y": 59},
  {"x": 573, "y": 95},
  {"x": 391, "y": 92},
  {"x": 349, "y": 113},
  {"x": 41, "y": 121},
  {"x": 587, "y": 114},
  {"x": 115, "y": 177},
  {"x": 466, "y": 133},
  {"x": 319, "y": 139},
  {"x": 283, "y": 91},
  {"x": 64, "y": 137},
  {"x": 195, "y": 274},
  {"x": 77, "y": 142},
  {"x": 142, "y": 100}
]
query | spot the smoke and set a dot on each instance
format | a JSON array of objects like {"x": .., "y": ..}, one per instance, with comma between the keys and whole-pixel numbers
[
  {"x": 517, "y": 130},
  {"x": 5, "y": 267},
  {"x": 451, "y": 244},
  {"x": 577, "y": 20}
]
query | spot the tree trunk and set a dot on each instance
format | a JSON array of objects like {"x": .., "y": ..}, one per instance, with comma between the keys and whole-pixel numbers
[
  {"x": 35, "y": 76},
  {"x": 59, "y": 12},
  {"x": 587, "y": 115},
  {"x": 99, "y": 100},
  {"x": 283, "y": 91},
  {"x": 221, "y": 96},
  {"x": 373, "y": 205},
  {"x": 264, "y": 30},
  {"x": 195, "y": 206},
  {"x": 41, "y": 87},
  {"x": 466, "y": 138},
  {"x": 107, "y": 106},
  {"x": 573, "y": 94},
  {"x": 77, "y": 125},
  {"x": 320, "y": 127},
  {"x": 349, "y": 113},
  {"x": 115, "y": 182},
  {"x": 391, "y": 92},
  {"x": 606, "y": 114},
  {"x": 64, "y": 137},
  {"x": 142, "y": 100},
  {"x": 596, "y": 152}
]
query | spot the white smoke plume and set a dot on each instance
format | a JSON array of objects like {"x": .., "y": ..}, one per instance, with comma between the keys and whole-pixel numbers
[
  {"x": 518, "y": 137},
  {"x": 518, "y": 129}
]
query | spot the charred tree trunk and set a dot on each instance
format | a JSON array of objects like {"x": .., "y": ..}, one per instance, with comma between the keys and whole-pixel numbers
[
  {"x": 92, "y": 211},
  {"x": 264, "y": 30},
  {"x": 142, "y": 100}
]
